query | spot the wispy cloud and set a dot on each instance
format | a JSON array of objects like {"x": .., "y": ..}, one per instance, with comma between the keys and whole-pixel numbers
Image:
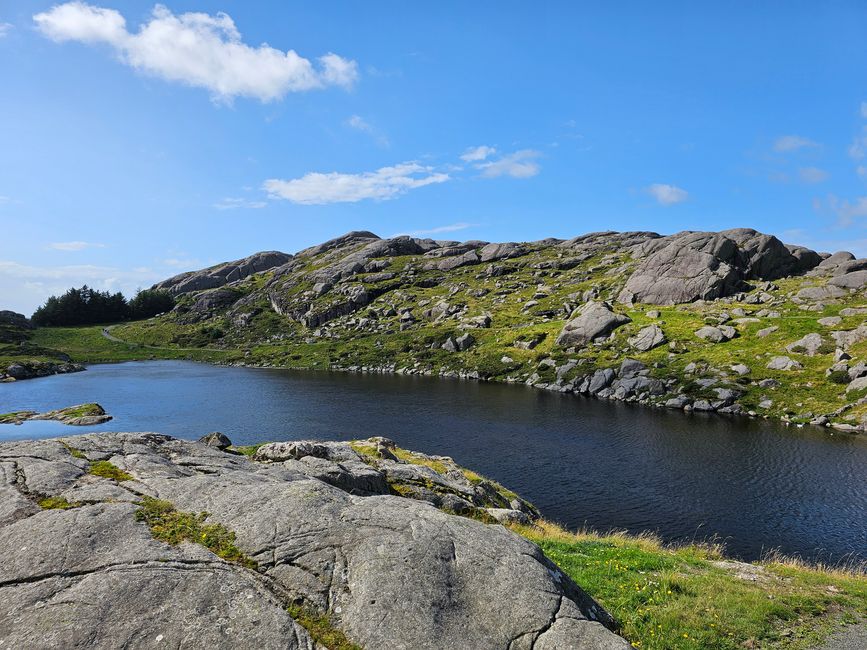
[
  {"x": 846, "y": 211},
  {"x": 383, "y": 184},
  {"x": 864, "y": 110},
  {"x": 360, "y": 124},
  {"x": 787, "y": 143},
  {"x": 229, "y": 203},
  {"x": 197, "y": 49},
  {"x": 667, "y": 194},
  {"x": 439, "y": 230},
  {"x": 5, "y": 28},
  {"x": 24, "y": 286},
  {"x": 357, "y": 122},
  {"x": 858, "y": 148},
  {"x": 520, "y": 164},
  {"x": 475, "y": 154},
  {"x": 812, "y": 175},
  {"x": 74, "y": 245}
]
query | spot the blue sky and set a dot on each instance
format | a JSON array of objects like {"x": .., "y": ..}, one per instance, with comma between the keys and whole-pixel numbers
[{"x": 139, "y": 140}]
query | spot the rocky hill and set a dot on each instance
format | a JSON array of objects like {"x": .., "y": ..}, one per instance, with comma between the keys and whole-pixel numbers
[
  {"x": 104, "y": 544},
  {"x": 735, "y": 322}
]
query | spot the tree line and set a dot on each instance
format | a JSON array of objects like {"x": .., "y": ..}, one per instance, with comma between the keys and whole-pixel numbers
[{"x": 88, "y": 306}]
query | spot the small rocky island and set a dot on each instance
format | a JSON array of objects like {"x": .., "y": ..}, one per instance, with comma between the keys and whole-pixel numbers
[
  {"x": 139, "y": 539},
  {"x": 80, "y": 415}
]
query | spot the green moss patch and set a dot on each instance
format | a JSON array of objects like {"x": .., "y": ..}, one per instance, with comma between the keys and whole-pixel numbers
[
  {"x": 172, "y": 526},
  {"x": 321, "y": 628},
  {"x": 105, "y": 469},
  {"x": 57, "y": 503}
]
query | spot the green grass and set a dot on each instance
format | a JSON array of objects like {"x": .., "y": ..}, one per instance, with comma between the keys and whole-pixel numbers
[
  {"x": 86, "y": 344},
  {"x": 173, "y": 527},
  {"x": 56, "y": 503},
  {"x": 248, "y": 450},
  {"x": 678, "y": 599},
  {"x": 105, "y": 469},
  {"x": 15, "y": 416},
  {"x": 321, "y": 628}
]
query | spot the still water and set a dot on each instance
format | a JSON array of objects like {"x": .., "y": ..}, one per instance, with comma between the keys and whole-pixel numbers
[{"x": 754, "y": 485}]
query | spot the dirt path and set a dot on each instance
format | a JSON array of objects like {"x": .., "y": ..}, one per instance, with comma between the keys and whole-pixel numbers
[{"x": 850, "y": 637}]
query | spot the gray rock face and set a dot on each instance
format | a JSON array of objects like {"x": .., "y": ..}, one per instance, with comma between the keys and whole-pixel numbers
[
  {"x": 222, "y": 274},
  {"x": 716, "y": 334},
  {"x": 783, "y": 363},
  {"x": 493, "y": 252},
  {"x": 594, "y": 319},
  {"x": 392, "y": 572},
  {"x": 854, "y": 280},
  {"x": 216, "y": 439},
  {"x": 15, "y": 319},
  {"x": 827, "y": 292},
  {"x": 647, "y": 338},
  {"x": 808, "y": 344},
  {"x": 689, "y": 266}
]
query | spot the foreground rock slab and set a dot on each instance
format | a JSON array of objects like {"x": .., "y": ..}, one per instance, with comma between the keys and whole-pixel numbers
[{"x": 392, "y": 572}]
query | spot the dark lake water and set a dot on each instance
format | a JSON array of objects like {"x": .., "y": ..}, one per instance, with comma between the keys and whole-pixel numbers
[{"x": 755, "y": 485}]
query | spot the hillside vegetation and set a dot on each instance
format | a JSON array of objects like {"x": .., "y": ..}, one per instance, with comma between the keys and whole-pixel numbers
[{"x": 734, "y": 322}]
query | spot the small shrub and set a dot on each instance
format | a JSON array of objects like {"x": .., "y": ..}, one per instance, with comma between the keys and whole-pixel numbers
[{"x": 839, "y": 377}]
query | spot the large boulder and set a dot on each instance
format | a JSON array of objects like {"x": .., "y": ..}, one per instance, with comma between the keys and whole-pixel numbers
[
  {"x": 594, "y": 319},
  {"x": 690, "y": 266},
  {"x": 685, "y": 267},
  {"x": 222, "y": 274},
  {"x": 647, "y": 338},
  {"x": 391, "y": 572}
]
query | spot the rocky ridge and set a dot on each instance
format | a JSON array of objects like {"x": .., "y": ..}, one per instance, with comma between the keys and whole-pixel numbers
[{"x": 318, "y": 524}]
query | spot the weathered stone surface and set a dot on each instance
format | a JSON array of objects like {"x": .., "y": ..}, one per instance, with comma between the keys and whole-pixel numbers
[
  {"x": 825, "y": 292},
  {"x": 392, "y": 572},
  {"x": 594, "y": 319},
  {"x": 647, "y": 338},
  {"x": 783, "y": 363},
  {"x": 689, "y": 266},
  {"x": 216, "y": 439},
  {"x": 222, "y": 274},
  {"x": 14, "y": 319},
  {"x": 809, "y": 344},
  {"x": 716, "y": 334},
  {"x": 493, "y": 252},
  {"x": 854, "y": 280}
]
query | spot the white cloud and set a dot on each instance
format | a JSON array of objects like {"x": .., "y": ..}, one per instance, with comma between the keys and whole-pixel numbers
[
  {"x": 5, "y": 28},
  {"x": 864, "y": 110},
  {"x": 229, "y": 203},
  {"x": 474, "y": 154},
  {"x": 667, "y": 194},
  {"x": 454, "y": 227},
  {"x": 358, "y": 122},
  {"x": 787, "y": 143},
  {"x": 74, "y": 245},
  {"x": 517, "y": 165},
  {"x": 385, "y": 183},
  {"x": 845, "y": 210},
  {"x": 812, "y": 175},
  {"x": 861, "y": 170},
  {"x": 858, "y": 148},
  {"x": 197, "y": 49},
  {"x": 25, "y": 287}
]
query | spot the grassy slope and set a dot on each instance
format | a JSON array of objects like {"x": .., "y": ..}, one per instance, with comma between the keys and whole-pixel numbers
[
  {"x": 273, "y": 340},
  {"x": 680, "y": 598}
]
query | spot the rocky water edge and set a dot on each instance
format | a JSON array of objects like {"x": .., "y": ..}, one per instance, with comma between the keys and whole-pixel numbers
[{"x": 361, "y": 532}]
